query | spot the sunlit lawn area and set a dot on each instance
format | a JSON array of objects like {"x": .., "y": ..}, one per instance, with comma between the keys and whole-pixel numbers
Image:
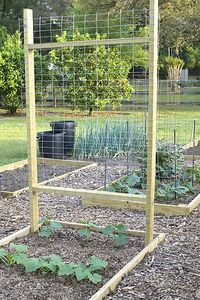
[{"x": 13, "y": 129}]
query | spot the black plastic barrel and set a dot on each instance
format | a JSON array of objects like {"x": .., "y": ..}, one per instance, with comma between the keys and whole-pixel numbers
[
  {"x": 51, "y": 145},
  {"x": 68, "y": 127}
]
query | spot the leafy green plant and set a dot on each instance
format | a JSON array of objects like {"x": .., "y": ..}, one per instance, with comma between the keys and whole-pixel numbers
[
  {"x": 17, "y": 257},
  {"x": 87, "y": 232},
  {"x": 193, "y": 171},
  {"x": 117, "y": 233},
  {"x": 6, "y": 257},
  {"x": 128, "y": 184},
  {"x": 84, "y": 272},
  {"x": 48, "y": 226},
  {"x": 11, "y": 75},
  {"x": 171, "y": 182},
  {"x": 53, "y": 264},
  {"x": 84, "y": 232}
]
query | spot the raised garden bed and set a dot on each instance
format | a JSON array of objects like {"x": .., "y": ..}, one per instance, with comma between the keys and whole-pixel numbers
[
  {"x": 14, "y": 177},
  {"x": 186, "y": 195},
  {"x": 68, "y": 244}
]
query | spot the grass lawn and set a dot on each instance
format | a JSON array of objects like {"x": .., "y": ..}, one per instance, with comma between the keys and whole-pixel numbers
[{"x": 13, "y": 128}]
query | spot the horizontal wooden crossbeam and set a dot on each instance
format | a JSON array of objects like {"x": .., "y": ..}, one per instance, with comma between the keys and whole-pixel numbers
[
  {"x": 132, "y": 40},
  {"x": 88, "y": 194}
]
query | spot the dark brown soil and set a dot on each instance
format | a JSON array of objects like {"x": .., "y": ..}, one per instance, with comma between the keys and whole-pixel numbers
[
  {"x": 193, "y": 150},
  {"x": 18, "y": 179},
  {"x": 72, "y": 248}
]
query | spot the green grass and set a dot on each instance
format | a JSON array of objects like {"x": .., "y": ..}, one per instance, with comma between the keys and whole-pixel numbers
[{"x": 13, "y": 129}]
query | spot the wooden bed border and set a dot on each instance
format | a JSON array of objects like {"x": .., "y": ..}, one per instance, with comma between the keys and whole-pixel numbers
[
  {"x": 165, "y": 209},
  {"x": 20, "y": 164},
  {"x": 190, "y": 144},
  {"x": 117, "y": 278}
]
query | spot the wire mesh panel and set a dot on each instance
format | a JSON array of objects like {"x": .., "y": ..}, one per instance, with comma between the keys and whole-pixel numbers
[
  {"x": 87, "y": 106},
  {"x": 84, "y": 94}
]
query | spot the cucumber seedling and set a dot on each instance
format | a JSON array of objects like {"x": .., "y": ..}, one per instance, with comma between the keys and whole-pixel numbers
[{"x": 48, "y": 226}]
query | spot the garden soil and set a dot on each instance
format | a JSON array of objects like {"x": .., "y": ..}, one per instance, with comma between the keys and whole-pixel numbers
[
  {"x": 171, "y": 272},
  {"x": 17, "y": 179}
]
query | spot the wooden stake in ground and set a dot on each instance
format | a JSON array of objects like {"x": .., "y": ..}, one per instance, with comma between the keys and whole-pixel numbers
[
  {"x": 152, "y": 111},
  {"x": 30, "y": 116}
]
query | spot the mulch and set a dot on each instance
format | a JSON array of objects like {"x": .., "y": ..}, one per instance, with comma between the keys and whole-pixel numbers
[
  {"x": 171, "y": 272},
  {"x": 67, "y": 244},
  {"x": 18, "y": 179}
]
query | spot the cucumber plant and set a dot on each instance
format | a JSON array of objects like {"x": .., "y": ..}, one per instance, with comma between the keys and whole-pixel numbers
[
  {"x": 53, "y": 264},
  {"x": 47, "y": 226},
  {"x": 117, "y": 232}
]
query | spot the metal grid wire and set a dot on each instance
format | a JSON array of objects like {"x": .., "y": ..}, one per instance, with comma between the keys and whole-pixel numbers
[
  {"x": 101, "y": 92},
  {"x": 93, "y": 87}
]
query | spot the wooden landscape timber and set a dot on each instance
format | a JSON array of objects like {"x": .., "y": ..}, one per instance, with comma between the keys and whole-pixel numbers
[
  {"x": 56, "y": 45},
  {"x": 111, "y": 285},
  {"x": 190, "y": 157},
  {"x": 93, "y": 195},
  {"x": 20, "y": 233},
  {"x": 191, "y": 144},
  {"x": 13, "y": 166},
  {"x": 164, "y": 209},
  {"x": 120, "y": 200},
  {"x": 20, "y": 164}
]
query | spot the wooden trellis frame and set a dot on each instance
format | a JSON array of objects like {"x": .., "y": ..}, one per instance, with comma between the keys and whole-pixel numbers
[
  {"x": 29, "y": 48},
  {"x": 152, "y": 239}
]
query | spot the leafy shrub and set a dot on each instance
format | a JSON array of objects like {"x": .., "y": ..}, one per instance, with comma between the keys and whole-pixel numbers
[
  {"x": 48, "y": 226},
  {"x": 101, "y": 76},
  {"x": 10, "y": 73}
]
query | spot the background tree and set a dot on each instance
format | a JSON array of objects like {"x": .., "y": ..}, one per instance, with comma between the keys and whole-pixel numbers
[
  {"x": 93, "y": 77},
  {"x": 11, "y": 10},
  {"x": 180, "y": 24},
  {"x": 10, "y": 73},
  {"x": 12, "y": 88}
]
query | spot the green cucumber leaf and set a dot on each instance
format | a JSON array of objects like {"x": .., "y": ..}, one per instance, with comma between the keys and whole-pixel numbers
[{"x": 19, "y": 248}]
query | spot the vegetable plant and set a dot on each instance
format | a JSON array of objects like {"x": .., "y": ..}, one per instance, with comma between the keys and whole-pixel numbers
[
  {"x": 117, "y": 233},
  {"x": 128, "y": 184},
  {"x": 17, "y": 255},
  {"x": 171, "y": 182},
  {"x": 113, "y": 138},
  {"x": 48, "y": 226}
]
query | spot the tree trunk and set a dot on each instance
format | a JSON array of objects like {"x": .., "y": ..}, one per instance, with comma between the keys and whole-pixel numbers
[{"x": 90, "y": 112}]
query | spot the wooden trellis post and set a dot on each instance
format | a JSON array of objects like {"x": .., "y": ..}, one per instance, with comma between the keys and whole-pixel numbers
[
  {"x": 30, "y": 116},
  {"x": 152, "y": 114}
]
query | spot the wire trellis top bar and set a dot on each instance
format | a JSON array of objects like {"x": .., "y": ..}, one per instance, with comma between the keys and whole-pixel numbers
[{"x": 134, "y": 40}]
